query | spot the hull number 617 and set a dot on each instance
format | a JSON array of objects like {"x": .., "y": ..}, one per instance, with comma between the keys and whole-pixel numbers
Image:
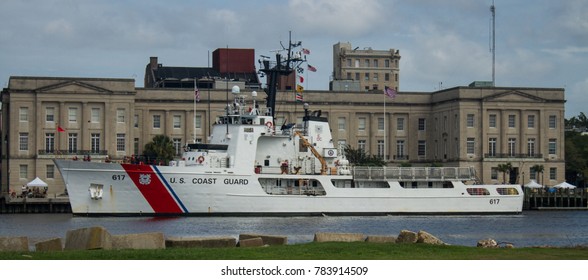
[{"x": 494, "y": 201}]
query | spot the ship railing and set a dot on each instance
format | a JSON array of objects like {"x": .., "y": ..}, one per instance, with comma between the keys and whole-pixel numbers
[{"x": 413, "y": 173}]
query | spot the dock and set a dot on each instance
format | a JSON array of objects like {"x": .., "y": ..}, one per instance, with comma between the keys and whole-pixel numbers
[
  {"x": 555, "y": 199},
  {"x": 23, "y": 205}
]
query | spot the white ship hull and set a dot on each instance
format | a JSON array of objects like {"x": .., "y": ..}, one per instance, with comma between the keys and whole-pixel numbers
[{"x": 128, "y": 189}]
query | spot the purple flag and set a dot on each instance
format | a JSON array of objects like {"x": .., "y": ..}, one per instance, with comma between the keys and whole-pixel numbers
[{"x": 389, "y": 92}]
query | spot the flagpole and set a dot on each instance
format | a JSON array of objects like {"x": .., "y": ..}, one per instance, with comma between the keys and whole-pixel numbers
[
  {"x": 385, "y": 128},
  {"x": 195, "y": 93}
]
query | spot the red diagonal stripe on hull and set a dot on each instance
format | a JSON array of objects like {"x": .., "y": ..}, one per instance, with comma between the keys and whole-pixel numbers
[{"x": 154, "y": 192}]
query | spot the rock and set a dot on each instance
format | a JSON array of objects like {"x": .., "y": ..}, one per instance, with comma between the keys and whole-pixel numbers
[
  {"x": 509, "y": 245},
  {"x": 407, "y": 236},
  {"x": 49, "y": 245},
  {"x": 338, "y": 237},
  {"x": 88, "y": 239},
  {"x": 152, "y": 240},
  {"x": 201, "y": 242},
  {"x": 14, "y": 244},
  {"x": 487, "y": 243},
  {"x": 427, "y": 238},
  {"x": 271, "y": 240},
  {"x": 380, "y": 239},
  {"x": 251, "y": 242}
]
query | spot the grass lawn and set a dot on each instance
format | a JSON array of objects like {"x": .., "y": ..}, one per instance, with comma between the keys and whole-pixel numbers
[{"x": 316, "y": 251}]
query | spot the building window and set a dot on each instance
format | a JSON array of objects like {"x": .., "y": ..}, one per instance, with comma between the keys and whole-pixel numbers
[
  {"x": 23, "y": 141},
  {"x": 23, "y": 171},
  {"x": 136, "y": 146},
  {"x": 531, "y": 121},
  {"x": 72, "y": 142},
  {"x": 177, "y": 142},
  {"x": 341, "y": 123},
  {"x": 387, "y": 77},
  {"x": 120, "y": 115},
  {"x": 357, "y": 63},
  {"x": 120, "y": 142},
  {"x": 367, "y": 63},
  {"x": 349, "y": 62},
  {"x": 531, "y": 147},
  {"x": 23, "y": 114},
  {"x": 50, "y": 174},
  {"x": 532, "y": 173},
  {"x": 136, "y": 120},
  {"x": 492, "y": 121},
  {"x": 552, "y": 146},
  {"x": 357, "y": 76},
  {"x": 95, "y": 142},
  {"x": 422, "y": 124},
  {"x": 376, "y": 63},
  {"x": 387, "y": 63},
  {"x": 376, "y": 79},
  {"x": 470, "y": 120},
  {"x": 156, "y": 121},
  {"x": 95, "y": 117},
  {"x": 348, "y": 75},
  {"x": 470, "y": 145},
  {"x": 361, "y": 145},
  {"x": 552, "y": 122},
  {"x": 492, "y": 147},
  {"x": 494, "y": 173},
  {"x": 72, "y": 114},
  {"x": 396, "y": 80},
  {"x": 380, "y": 123},
  {"x": 422, "y": 148},
  {"x": 511, "y": 121},
  {"x": 367, "y": 77},
  {"x": 400, "y": 149},
  {"x": 552, "y": 173},
  {"x": 49, "y": 142},
  {"x": 381, "y": 148},
  {"x": 512, "y": 144},
  {"x": 400, "y": 124},
  {"x": 50, "y": 114},
  {"x": 198, "y": 121},
  {"x": 361, "y": 124},
  {"x": 177, "y": 121}
]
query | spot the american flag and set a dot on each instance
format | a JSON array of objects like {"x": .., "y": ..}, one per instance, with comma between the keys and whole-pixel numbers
[{"x": 311, "y": 68}]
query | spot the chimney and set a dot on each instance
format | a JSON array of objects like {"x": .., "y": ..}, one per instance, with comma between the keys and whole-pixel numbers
[{"x": 153, "y": 62}]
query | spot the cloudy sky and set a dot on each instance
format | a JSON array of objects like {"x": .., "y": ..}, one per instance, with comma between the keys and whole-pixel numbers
[{"x": 539, "y": 43}]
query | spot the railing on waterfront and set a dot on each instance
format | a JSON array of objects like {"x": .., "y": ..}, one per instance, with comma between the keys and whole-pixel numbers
[
  {"x": 414, "y": 173},
  {"x": 555, "y": 198}
]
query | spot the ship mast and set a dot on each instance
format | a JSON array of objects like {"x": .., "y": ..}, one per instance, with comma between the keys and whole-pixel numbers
[{"x": 273, "y": 71}]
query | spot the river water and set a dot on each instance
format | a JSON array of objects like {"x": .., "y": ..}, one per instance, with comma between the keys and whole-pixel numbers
[{"x": 532, "y": 228}]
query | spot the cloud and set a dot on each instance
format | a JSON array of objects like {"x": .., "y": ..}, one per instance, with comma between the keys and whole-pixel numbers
[{"x": 349, "y": 18}]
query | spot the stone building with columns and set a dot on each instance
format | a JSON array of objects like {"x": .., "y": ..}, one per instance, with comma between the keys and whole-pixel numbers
[{"x": 48, "y": 117}]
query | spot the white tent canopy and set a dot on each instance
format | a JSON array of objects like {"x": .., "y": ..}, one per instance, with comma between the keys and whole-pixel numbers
[
  {"x": 533, "y": 184},
  {"x": 565, "y": 185},
  {"x": 37, "y": 183}
]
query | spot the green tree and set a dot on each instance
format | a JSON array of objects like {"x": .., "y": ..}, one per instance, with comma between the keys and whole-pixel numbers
[
  {"x": 161, "y": 148},
  {"x": 504, "y": 168},
  {"x": 538, "y": 169},
  {"x": 359, "y": 157}
]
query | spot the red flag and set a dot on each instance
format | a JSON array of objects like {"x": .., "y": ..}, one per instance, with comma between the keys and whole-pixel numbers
[
  {"x": 305, "y": 51},
  {"x": 311, "y": 68},
  {"x": 301, "y": 79},
  {"x": 59, "y": 129}
]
